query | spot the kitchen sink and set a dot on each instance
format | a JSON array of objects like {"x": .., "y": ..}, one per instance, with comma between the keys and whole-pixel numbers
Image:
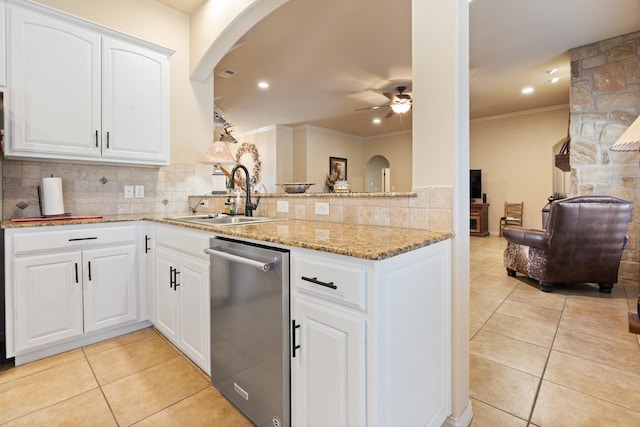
[{"x": 222, "y": 219}]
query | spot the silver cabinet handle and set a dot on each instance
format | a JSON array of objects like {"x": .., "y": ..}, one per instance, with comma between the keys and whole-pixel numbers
[{"x": 247, "y": 261}]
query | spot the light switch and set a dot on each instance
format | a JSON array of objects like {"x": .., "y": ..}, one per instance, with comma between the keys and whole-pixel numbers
[
  {"x": 128, "y": 191},
  {"x": 139, "y": 191}
]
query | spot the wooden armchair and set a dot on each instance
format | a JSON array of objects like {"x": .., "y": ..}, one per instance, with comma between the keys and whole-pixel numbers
[{"x": 513, "y": 213}]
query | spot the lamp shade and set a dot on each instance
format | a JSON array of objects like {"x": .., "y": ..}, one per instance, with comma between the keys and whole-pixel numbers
[
  {"x": 218, "y": 153},
  {"x": 630, "y": 139}
]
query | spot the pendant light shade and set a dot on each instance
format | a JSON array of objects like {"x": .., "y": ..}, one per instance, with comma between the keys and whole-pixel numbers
[
  {"x": 218, "y": 153},
  {"x": 630, "y": 139}
]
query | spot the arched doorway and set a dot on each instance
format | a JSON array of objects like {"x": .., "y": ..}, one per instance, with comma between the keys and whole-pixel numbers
[{"x": 378, "y": 175}]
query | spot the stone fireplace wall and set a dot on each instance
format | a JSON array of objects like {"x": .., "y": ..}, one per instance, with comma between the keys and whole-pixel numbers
[{"x": 604, "y": 101}]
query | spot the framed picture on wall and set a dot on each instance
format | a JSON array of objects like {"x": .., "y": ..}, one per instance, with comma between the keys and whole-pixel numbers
[{"x": 338, "y": 165}]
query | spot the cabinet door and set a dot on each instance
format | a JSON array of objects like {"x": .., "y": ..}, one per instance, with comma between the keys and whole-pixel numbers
[
  {"x": 328, "y": 372},
  {"x": 109, "y": 286},
  {"x": 193, "y": 323},
  {"x": 166, "y": 305},
  {"x": 55, "y": 86},
  {"x": 48, "y": 298},
  {"x": 135, "y": 112}
]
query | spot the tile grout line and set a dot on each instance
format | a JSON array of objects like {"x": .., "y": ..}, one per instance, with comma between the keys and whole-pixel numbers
[
  {"x": 101, "y": 389},
  {"x": 546, "y": 363}
]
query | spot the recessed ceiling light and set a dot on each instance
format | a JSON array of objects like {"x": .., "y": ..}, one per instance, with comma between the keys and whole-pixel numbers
[
  {"x": 554, "y": 79},
  {"x": 527, "y": 90},
  {"x": 551, "y": 71},
  {"x": 377, "y": 121},
  {"x": 263, "y": 85}
]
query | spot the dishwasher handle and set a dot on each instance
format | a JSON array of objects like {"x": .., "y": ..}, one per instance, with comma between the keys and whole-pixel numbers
[{"x": 262, "y": 266}]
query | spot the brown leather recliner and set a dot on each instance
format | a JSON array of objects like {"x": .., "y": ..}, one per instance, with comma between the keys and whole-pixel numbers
[{"x": 583, "y": 243}]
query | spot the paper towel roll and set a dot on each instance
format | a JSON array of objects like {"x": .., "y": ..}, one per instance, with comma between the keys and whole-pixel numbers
[{"x": 52, "y": 203}]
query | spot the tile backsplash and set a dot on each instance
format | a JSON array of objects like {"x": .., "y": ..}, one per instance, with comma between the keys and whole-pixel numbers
[{"x": 91, "y": 189}]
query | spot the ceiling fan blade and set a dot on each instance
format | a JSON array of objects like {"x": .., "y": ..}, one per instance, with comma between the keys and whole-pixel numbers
[
  {"x": 373, "y": 108},
  {"x": 389, "y": 114},
  {"x": 390, "y": 96}
]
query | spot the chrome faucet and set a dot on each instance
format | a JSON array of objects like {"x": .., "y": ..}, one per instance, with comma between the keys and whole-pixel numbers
[{"x": 248, "y": 206}]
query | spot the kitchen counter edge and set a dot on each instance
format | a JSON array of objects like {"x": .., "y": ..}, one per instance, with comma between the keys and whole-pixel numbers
[{"x": 360, "y": 241}]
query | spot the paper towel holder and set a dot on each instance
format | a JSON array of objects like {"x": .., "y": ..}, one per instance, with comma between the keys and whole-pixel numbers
[{"x": 42, "y": 215}]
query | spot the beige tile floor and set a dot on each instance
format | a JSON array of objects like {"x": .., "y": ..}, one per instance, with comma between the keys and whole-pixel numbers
[
  {"x": 538, "y": 359},
  {"x": 136, "y": 379},
  {"x": 564, "y": 358}
]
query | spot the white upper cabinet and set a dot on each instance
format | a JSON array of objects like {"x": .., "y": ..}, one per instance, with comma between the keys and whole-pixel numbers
[
  {"x": 135, "y": 102},
  {"x": 79, "y": 92},
  {"x": 3, "y": 47}
]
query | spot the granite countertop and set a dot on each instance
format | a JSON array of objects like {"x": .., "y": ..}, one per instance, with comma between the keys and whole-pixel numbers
[{"x": 360, "y": 241}]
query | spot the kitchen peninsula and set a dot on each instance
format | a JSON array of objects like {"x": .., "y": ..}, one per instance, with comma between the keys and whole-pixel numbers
[{"x": 386, "y": 325}]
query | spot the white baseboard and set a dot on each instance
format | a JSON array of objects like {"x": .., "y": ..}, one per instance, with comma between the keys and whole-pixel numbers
[{"x": 463, "y": 421}]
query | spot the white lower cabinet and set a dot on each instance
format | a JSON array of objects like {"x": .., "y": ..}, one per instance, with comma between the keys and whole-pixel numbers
[
  {"x": 182, "y": 291},
  {"x": 329, "y": 366},
  {"x": 68, "y": 282},
  {"x": 371, "y": 339},
  {"x": 48, "y": 299}
]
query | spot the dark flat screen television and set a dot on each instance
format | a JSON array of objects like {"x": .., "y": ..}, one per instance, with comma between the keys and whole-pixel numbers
[{"x": 475, "y": 183}]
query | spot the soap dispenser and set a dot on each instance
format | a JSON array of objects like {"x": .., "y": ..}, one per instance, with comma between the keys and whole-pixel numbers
[{"x": 238, "y": 202}]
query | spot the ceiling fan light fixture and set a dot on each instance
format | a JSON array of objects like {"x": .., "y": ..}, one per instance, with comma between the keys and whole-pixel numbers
[{"x": 400, "y": 107}]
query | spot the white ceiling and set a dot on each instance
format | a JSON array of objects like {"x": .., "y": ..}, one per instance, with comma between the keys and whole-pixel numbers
[{"x": 324, "y": 62}]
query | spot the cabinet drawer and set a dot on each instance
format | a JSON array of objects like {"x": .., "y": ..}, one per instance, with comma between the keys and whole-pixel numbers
[
  {"x": 62, "y": 239},
  {"x": 342, "y": 283},
  {"x": 183, "y": 240}
]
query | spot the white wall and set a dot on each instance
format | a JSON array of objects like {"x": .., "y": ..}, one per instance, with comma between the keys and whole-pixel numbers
[
  {"x": 515, "y": 154},
  {"x": 396, "y": 147},
  {"x": 323, "y": 143},
  {"x": 191, "y": 103},
  {"x": 274, "y": 145}
]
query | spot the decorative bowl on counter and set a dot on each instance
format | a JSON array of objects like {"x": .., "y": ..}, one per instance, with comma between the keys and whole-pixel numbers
[{"x": 296, "y": 187}]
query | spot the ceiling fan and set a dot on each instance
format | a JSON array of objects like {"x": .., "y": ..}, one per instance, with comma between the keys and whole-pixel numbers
[{"x": 400, "y": 102}]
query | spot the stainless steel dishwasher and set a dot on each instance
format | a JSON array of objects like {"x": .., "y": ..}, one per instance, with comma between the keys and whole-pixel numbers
[{"x": 250, "y": 329}]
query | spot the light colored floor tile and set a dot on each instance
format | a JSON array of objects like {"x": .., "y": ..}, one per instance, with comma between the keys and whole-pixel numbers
[
  {"x": 593, "y": 319},
  {"x": 595, "y": 379},
  {"x": 560, "y": 406},
  {"x": 522, "y": 329},
  {"x": 516, "y": 354},
  {"x": 541, "y": 315},
  {"x": 490, "y": 285},
  {"x": 9, "y": 372},
  {"x": 119, "y": 341},
  {"x": 86, "y": 409},
  {"x": 120, "y": 361},
  {"x": 205, "y": 408},
  {"x": 506, "y": 388},
  {"x": 533, "y": 295},
  {"x": 481, "y": 308},
  {"x": 598, "y": 349},
  {"x": 142, "y": 394},
  {"x": 25, "y": 395},
  {"x": 487, "y": 416}
]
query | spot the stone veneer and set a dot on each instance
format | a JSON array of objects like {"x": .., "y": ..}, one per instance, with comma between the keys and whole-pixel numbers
[
  {"x": 604, "y": 101},
  {"x": 169, "y": 191}
]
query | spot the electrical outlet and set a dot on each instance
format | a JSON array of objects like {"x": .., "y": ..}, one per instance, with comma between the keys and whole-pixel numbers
[
  {"x": 128, "y": 191},
  {"x": 282, "y": 206},
  {"x": 322, "y": 208},
  {"x": 139, "y": 191}
]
